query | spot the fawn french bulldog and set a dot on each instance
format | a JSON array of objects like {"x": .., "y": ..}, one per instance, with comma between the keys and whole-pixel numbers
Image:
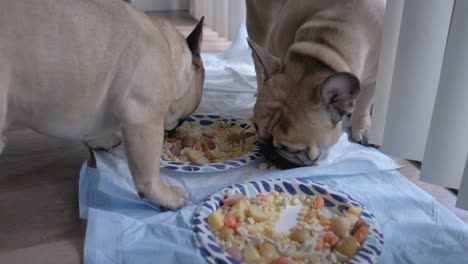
[
  {"x": 84, "y": 69},
  {"x": 316, "y": 61}
]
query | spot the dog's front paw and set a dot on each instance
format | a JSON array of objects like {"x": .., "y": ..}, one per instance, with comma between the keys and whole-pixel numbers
[
  {"x": 167, "y": 198},
  {"x": 179, "y": 191},
  {"x": 360, "y": 126}
]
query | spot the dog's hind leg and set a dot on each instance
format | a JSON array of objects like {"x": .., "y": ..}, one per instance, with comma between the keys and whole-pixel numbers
[
  {"x": 361, "y": 116},
  {"x": 2, "y": 127},
  {"x": 143, "y": 144},
  {"x": 4, "y": 83}
]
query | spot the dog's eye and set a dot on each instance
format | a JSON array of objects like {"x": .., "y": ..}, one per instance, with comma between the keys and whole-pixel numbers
[{"x": 290, "y": 150}]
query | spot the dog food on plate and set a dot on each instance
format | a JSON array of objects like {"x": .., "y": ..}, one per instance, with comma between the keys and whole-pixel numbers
[
  {"x": 246, "y": 228},
  {"x": 208, "y": 144}
]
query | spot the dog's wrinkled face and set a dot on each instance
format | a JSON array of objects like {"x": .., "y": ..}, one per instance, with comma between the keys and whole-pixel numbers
[
  {"x": 299, "y": 108},
  {"x": 192, "y": 82}
]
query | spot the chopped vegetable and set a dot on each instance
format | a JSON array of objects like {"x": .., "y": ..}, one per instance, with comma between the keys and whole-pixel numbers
[
  {"x": 240, "y": 210},
  {"x": 318, "y": 202},
  {"x": 216, "y": 220},
  {"x": 188, "y": 141},
  {"x": 355, "y": 210},
  {"x": 196, "y": 156},
  {"x": 263, "y": 198},
  {"x": 268, "y": 252},
  {"x": 361, "y": 234},
  {"x": 255, "y": 228},
  {"x": 230, "y": 221},
  {"x": 283, "y": 260},
  {"x": 239, "y": 225},
  {"x": 299, "y": 235},
  {"x": 310, "y": 215},
  {"x": 251, "y": 254},
  {"x": 348, "y": 246},
  {"x": 324, "y": 222},
  {"x": 331, "y": 238},
  {"x": 257, "y": 214},
  {"x": 235, "y": 252}
]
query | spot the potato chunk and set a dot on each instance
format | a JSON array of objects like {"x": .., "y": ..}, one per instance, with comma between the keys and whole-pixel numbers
[
  {"x": 348, "y": 246},
  {"x": 355, "y": 210},
  {"x": 268, "y": 252},
  {"x": 216, "y": 220},
  {"x": 196, "y": 156},
  {"x": 251, "y": 255},
  {"x": 343, "y": 225},
  {"x": 240, "y": 210},
  {"x": 257, "y": 214}
]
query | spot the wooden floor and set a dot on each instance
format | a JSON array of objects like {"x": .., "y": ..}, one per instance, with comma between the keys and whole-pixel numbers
[{"x": 39, "y": 221}]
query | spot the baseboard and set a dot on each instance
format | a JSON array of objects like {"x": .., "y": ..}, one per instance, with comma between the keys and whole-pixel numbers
[{"x": 161, "y": 5}]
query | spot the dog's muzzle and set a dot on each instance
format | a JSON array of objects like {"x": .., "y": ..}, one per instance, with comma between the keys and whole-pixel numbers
[{"x": 284, "y": 159}]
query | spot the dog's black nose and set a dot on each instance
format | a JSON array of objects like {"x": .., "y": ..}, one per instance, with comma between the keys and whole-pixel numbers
[{"x": 269, "y": 151}]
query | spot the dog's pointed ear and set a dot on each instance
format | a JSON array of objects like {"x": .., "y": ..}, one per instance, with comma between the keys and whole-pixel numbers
[
  {"x": 338, "y": 92},
  {"x": 194, "y": 41},
  {"x": 270, "y": 64},
  {"x": 308, "y": 52}
]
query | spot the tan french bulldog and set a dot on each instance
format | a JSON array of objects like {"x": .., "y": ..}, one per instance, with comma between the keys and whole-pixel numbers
[
  {"x": 316, "y": 61},
  {"x": 84, "y": 69}
]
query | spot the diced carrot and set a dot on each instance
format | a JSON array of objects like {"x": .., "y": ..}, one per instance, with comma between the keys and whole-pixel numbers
[
  {"x": 324, "y": 222},
  {"x": 310, "y": 215},
  {"x": 319, "y": 245},
  {"x": 230, "y": 220},
  {"x": 263, "y": 198},
  {"x": 331, "y": 238},
  {"x": 283, "y": 260},
  {"x": 318, "y": 202},
  {"x": 361, "y": 234}
]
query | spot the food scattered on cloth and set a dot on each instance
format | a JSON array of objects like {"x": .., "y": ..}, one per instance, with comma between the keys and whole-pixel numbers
[
  {"x": 266, "y": 165},
  {"x": 246, "y": 228},
  {"x": 224, "y": 140}
]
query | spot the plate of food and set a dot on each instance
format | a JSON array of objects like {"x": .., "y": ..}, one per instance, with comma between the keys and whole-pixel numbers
[
  {"x": 210, "y": 143},
  {"x": 284, "y": 222}
]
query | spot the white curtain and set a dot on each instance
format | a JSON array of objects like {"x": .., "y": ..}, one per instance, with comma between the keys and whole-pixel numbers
[
  {"x": 420, "y": 110},
  {"x": 223, "y": 16}
]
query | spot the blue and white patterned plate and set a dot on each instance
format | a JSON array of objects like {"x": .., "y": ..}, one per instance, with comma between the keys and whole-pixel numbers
[
  {"x": 336, "y": 201},
  {"x": 209, "y": 120}
]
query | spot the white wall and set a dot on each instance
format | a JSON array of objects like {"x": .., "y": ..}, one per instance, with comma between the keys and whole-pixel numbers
[{"x": 161, "y": 5}]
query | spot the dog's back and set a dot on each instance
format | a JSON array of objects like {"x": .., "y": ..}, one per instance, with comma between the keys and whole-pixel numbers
[
  {"x": 341, "y": 23},
  {"x": 53, "y": 50}
]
